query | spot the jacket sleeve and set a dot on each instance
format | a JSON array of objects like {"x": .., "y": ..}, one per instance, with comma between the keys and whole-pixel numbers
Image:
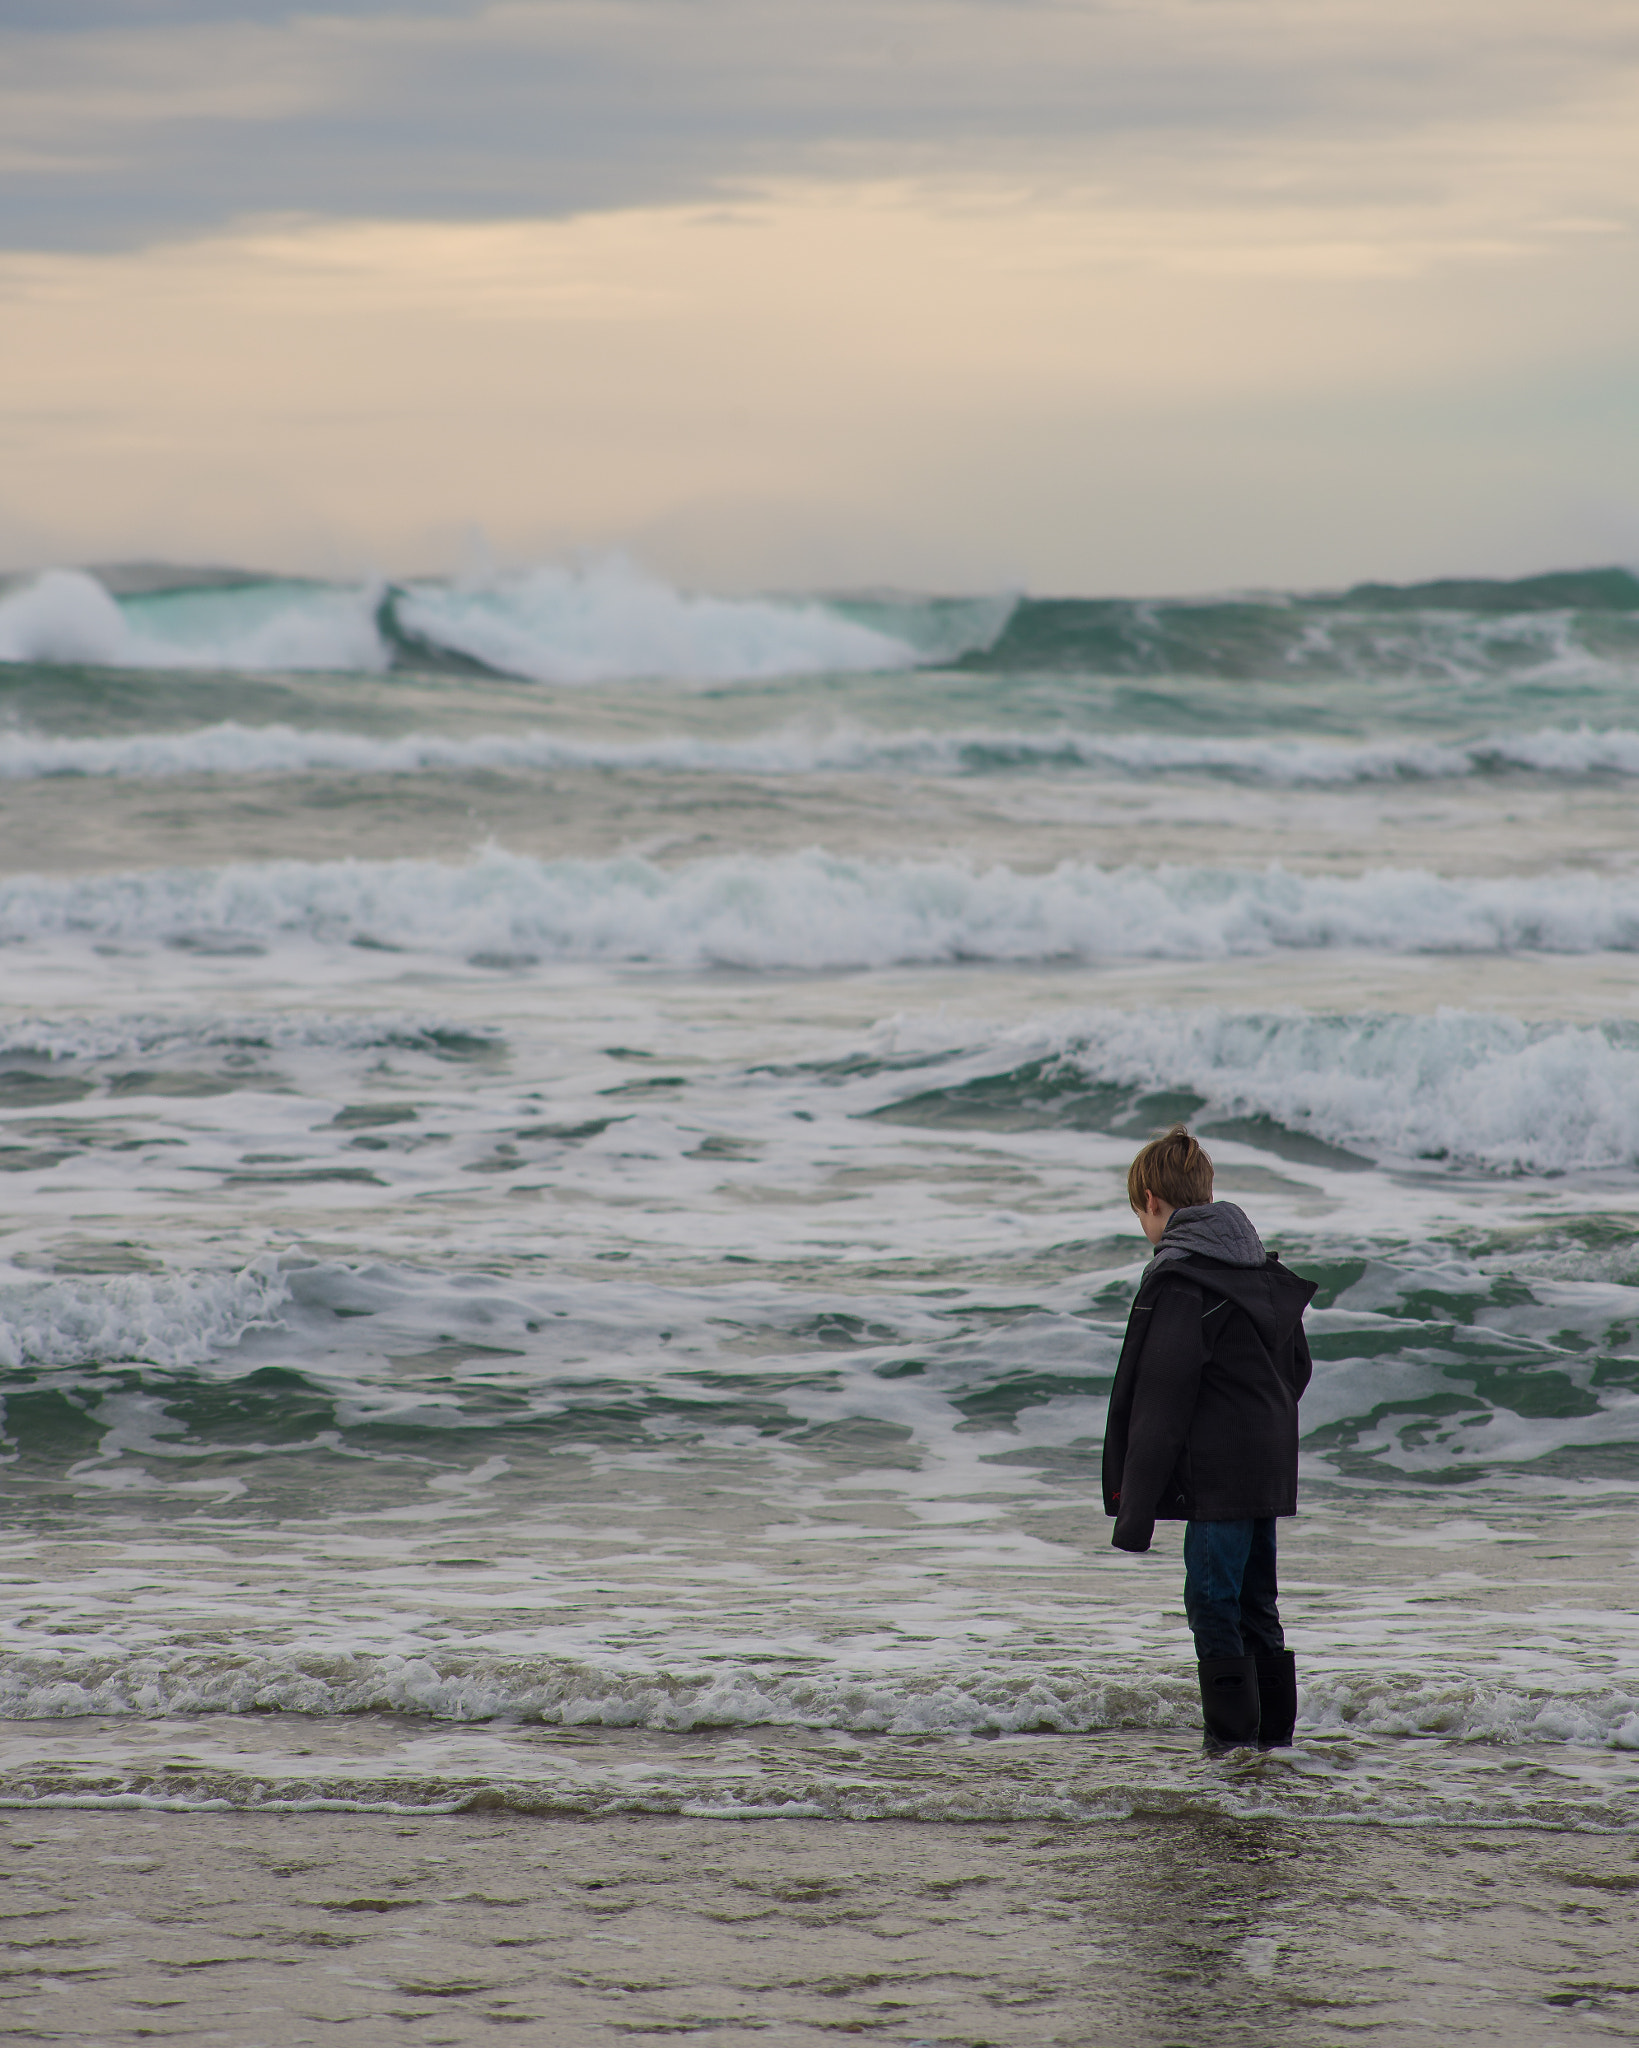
[
  {"x": 1303, "y": 1365},
  {"x": 1163, "y": 1407}
]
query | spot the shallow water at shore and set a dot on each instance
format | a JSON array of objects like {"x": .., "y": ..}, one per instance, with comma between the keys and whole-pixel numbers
[{"x": 281, "y": 1929}]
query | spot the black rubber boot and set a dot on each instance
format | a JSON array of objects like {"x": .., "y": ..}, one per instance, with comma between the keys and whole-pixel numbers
[
  {"x": 1229, "y": 1702},
  {"x": 1277, "y": 1698}
]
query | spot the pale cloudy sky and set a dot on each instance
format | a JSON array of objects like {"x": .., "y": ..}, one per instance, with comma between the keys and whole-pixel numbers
[{"x": 1087, "y": 295}]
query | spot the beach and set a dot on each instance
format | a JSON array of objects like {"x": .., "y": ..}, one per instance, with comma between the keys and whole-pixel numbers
[
  {"x": 567, "y": 1248},
  {"x": 272, "y": 1929}
]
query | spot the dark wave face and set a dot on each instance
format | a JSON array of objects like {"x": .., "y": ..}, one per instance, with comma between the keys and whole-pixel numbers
[{"x": 1444, "y": 630}]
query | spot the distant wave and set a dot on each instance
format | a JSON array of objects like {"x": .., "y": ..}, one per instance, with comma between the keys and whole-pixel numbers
[
  {"x": 161, "y": 1037},
  {"x": 66, "y": 618},
  {"x": 551, "y": 625},
  {"x": 1455, "y": 630},
  {"x": 234, "y": 749},
  {"x": 556, "y": 626},
  {"x": 815, "y": 911},
  {"x": 609, "y": 621}
]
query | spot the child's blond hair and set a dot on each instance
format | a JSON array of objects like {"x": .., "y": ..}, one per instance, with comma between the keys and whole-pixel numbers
[{"x": 1173, "y": 1168}]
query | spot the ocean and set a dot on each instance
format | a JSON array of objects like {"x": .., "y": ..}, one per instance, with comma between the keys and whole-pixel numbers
[{"x": 567, "y": 1247}]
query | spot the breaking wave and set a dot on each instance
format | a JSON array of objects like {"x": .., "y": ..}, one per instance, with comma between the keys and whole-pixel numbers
[
  {"x": 66, "y": 617},
  {"x": 817, "y": 911},
  {"x": 550, "y": 625},
  {"x": 562, "y": 626},
  {"x": 1468, "y": 1087},
  {"x": 235, "y": 749},
  {"x": 566, "y": 1693},
  {"x": 172, "y": 1320},
  {"x": 1454, "y": 630},
  {"x": 609, "y": 620}
]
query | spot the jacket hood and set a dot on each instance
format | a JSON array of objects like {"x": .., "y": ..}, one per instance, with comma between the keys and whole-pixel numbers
[
  {"x": 1216, "y": 1246},
  {"x": 1212, "y": 1230}
]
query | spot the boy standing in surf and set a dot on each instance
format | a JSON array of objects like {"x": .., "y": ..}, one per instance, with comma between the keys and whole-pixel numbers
[{"x": 1203, "y": 1429}]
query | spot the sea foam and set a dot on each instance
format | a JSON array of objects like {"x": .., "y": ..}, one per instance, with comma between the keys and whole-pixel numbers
[
  {"x": 608, "y": 619},
  {"x": 68, "y": 617},
  {"x": 594, "y": 625},
  {"x": 815, "y": 910},
  {"x": 1457, "y": 1085},
  {"x": 231, "y": 748},
  {"x": 165, "y": 1319},
  {"x": 568, "y": 626},
  {"x": 566, "y": 1693}
]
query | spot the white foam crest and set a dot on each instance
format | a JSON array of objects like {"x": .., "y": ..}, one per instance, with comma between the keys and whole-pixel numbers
[
  {"x": 1582, "y": 750},
  {"x": 66, "y": 616},
  {"x": 564, "y": 1693},
  {"x": 814, "y": 910},
  {"x": 1579, "y": 750},
  {"x": 570, "y": 1694},
  {"x": 1471, "y": 1086},
  {"x": 1458, "y": 1085},
  {"x": 1472, "y": 1711},
  {"x": 62, "y": 616},
  {"x": 1574, "y": 750},
  {"x": 557, "y": 625},
  {"x": 166, "y": 1319},
  {"x": 233, "y": 749},
  {"x": 608, "y": 620},
  {"x": 1614, "y": 1262},
  {"x": 230, "y": 748}
]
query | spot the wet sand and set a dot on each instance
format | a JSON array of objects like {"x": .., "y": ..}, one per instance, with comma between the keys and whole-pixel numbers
[{"x": 295, "y": 1928}]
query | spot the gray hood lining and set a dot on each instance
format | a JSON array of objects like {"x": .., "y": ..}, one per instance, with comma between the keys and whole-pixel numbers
[{"x": 1212, "y": 1230}]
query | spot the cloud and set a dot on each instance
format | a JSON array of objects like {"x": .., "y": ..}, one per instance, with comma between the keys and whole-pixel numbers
[
  {"x": 933, "y": 382},
  {"x": 1146, "y": 293},
  {"x": 140, "y": 121}
]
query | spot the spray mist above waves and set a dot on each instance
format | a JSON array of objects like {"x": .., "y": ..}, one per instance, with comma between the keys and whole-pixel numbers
[{"x": 609, "y": 622}]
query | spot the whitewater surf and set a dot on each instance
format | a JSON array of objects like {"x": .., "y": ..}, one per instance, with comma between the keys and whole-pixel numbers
[{"x": 566, "y": 1140}]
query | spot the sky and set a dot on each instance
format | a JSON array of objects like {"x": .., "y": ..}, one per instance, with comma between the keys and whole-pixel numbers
[{"x": 1067, "y": 295}]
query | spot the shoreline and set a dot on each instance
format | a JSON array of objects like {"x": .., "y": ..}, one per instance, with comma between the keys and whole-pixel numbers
[{"x": 255, "y": 1928}]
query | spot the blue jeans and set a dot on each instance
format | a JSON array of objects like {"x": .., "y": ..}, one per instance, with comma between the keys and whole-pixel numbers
[{"x": 1229, "y": 1588}]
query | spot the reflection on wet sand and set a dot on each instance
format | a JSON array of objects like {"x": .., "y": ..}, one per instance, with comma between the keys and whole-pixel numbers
[{"x": 1152, "y": 1931}]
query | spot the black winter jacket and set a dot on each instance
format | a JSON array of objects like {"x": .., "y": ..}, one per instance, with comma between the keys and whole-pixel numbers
[{"x": 1203, "y": 1422}]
